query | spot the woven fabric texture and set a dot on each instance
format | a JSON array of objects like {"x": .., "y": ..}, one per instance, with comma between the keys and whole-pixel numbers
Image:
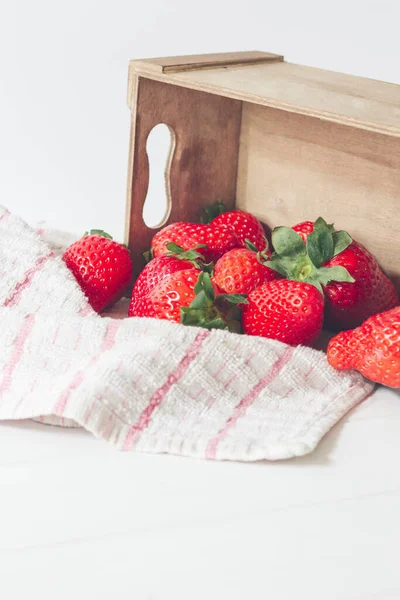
[{"x": 149, "y": 385}]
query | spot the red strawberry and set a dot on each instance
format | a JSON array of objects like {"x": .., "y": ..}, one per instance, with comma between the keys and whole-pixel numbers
[
  {"x": 187, "y": 235},
  {"x": 304, "y": 229},
  {"x": 284, "y": 310},
  {"x": 166, "y": 298},
  {"x": 241, "y": 271},
  {"x": 244, "y": 225},
  {"x": 349, "y": 304},
  {"x": 191, "y": 298},
  {"x": 373, "y": 349},
  {"x": 159, "y": 268},
  {"x": 102, "y": 267}
]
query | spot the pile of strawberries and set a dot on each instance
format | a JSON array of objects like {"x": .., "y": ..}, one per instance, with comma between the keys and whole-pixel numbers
[{"x": 222, "y": 274}]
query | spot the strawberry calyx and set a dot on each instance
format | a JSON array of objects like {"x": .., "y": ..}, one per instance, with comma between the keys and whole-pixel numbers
[
  {"x": 103, "y": 234},
  {"x": 212, "y": 311},
  {"x": 211, "y": 212},
  {"x": 263, "y": 256},
  {"x": 193, "y": 256},
  {"x": 190, "y": 255},
  {"x": 98, "y": 232},
  {"x": 300, "y": 261}
]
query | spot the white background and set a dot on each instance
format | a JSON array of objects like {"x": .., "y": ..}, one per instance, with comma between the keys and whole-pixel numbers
[{"x": 64, "y": 123}]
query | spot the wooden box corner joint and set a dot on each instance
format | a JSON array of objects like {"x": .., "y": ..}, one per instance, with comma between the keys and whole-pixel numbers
[{"x": 283, "y": 141}]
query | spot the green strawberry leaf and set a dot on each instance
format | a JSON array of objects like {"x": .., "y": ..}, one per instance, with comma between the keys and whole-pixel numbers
[
  {"x": 217, "y": 323},
  {"x": 207, "y": 267},
  {"x": 174, "y": 248},
  {"x": 281, "y": 265},
  {"x": 341, "y": 241},
  {"x": 264, "y": 253},
  {"x": 195, "y": 317},
  {"x": 199, "y": 284},
  {"x": 209, "y": 311},
  {"x": 208, "y": 288},
  {"x": 210, "y": 212},
  {"x": 191, "y": 255},
  {"x": 287, "y": 242},
  {"x": 250, "y": 245},
  {"x": 203, "y": 284},
  {"x": 261, "y": 255},
  {"x": 196, "y": 258},
  {"x": 192, "y": 316},
  {"x": 200, "y": 302},
  {"x": 321, "y": 223},
  {"x": 98, "y": 232},
  {"x": 148, "y": 255},
  {"x": 313, "y": 280},
  {"x": 304, "y": 262},
  {"x": 234, "y": 298},
  {"x": 329, "y": 274},
  {"x": 320, "y": 245},
  {"x": 178, "y": 250}
]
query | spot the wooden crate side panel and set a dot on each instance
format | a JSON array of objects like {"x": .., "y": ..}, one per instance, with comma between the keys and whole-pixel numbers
[
  {"x": 335, "y": 97},
  {"x": 205, "y": 159},
  {"x": 294, "y": 168}
]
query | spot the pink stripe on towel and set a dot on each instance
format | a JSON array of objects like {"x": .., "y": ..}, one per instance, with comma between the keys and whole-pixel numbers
[
  {"x": 241, "y": 408},
  {"x": 159, "y": 394},
  {"x": 18, "y": 348},
  {"x": 14, "y": 298},
  {"x": 107, "y": 344}
]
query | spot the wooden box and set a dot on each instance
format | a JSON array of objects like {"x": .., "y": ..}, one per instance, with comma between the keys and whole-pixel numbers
[{"x": 285, "y": 142}]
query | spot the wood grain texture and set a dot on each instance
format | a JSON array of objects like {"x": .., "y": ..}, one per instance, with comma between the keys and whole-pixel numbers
[
  {"x": 203, "y": 166},
  {"x": 176, "y": 64},
  {"x": 335, "y": 97},
  {"x": 294, "y": 168}
]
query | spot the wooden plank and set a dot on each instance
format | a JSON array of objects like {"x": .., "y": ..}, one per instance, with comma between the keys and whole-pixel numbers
[
  {"x": 293, "y": 168},
  {"x": 335, "y": 97},
  {"x": 203, "y": 166},
  {"x": 176, "y": 64}
]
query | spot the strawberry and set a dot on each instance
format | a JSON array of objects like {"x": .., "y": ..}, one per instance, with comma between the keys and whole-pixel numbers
[
  {"x": 349, "y": 304},
  {"x": 242, "y": 270},
  {"x": 243, "y": 224},
  {"x": 191, "y": 298},
  {"x": 284, "y": 310},
  {"x": 165, "y": 299},
  {"x": 217, "y": 240},
  {"x": 352, "y": 282},
  {"x": 304, "y": 229},
  {"x": 102, "y": 267},
  {"x": 373, "y": 349},
  {"x": 159, "y": 268}
]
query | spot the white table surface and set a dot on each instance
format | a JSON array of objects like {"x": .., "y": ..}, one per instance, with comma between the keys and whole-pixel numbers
[{"x": 81, "y": 520}]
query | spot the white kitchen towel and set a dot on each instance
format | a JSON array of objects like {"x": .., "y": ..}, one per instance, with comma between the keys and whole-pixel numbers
[{"x": 149, "y": 385}]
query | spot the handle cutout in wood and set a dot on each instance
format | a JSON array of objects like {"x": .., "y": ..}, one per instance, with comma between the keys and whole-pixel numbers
[{"x": 160, "y": 148}]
